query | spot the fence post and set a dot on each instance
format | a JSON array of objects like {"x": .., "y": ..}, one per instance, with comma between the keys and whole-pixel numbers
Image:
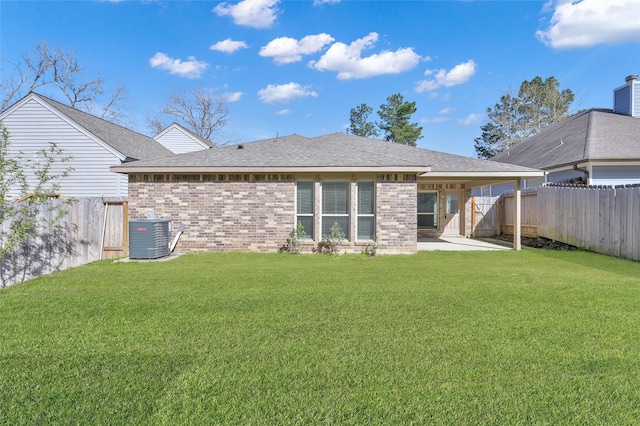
[{"x": 517, "y": 219}]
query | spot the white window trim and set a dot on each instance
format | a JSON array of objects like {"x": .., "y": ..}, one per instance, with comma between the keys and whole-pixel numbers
[
  {"x": 348, "y": 232},
  {"x": 436, "y": 213},
  {"x": 312, "y": 215},
  {"x": 370, "y": 215}
]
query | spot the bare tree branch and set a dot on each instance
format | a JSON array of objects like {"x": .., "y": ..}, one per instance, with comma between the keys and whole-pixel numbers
[
  {"x": 202, "y": 111},
  {"x": 54, "y": 67}
]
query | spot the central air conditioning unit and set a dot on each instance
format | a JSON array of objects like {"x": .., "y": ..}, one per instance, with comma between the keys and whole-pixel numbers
[{"x": 149, "y": 239}]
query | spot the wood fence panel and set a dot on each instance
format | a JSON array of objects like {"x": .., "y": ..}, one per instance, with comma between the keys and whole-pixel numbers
[
  {"x": 78, "y": 240},
  {"x": 486, "y": 216},
  {"x": 604, "y": 220}
]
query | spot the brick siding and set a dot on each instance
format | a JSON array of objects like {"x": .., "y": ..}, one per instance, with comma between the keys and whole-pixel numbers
[
  {"x": 258, "y": 216},
  {"x": 219, "y": 216}
]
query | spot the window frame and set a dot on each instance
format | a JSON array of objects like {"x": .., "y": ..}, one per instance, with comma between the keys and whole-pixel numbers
[
  {"x": 435, "y": 212},
  {"x": 308, "y": 235},
  {"x": 324, "y": 216},
  {"x": 360, "y": 215}
]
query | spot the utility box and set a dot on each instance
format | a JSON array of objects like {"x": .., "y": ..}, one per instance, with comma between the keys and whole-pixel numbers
[{"x": 149, "y": 239}]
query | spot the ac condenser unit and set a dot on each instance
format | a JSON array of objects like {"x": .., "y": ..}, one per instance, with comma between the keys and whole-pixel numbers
[{"x": 149, "y": 239}]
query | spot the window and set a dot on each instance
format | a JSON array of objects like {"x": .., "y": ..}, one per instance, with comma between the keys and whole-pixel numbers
[
  {"x": 427, "y": 210},
  {"x": 366, "y": 211},
  {"x": 304, "y": 209},
  {"x": 335, "y": 206},
  {"x": 452, "y": 204}
]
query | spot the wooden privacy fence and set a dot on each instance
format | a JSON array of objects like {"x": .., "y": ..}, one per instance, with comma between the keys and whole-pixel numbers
[
  {"x": 604, "y": 220},
  {"x": 93, "y": 229},
  {"x": 486, "y": 216}
]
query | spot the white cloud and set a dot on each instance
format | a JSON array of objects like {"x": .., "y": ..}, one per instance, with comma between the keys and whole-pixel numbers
[
  {"x": 284, "y": 112},
  {"x": 232, "y": 96},
  {"x": 459, "y": 74},
  {"x": 284, "y": 93},
  {"x": 447, "y": 110},
  {"x": 589, "y": 22},
  {"x": 228, "y": 46},
  {"x": 190, "y": 69},
  {"x": 347, "y": 60},
  {"x": 471, "y": 119},
  {"x": 250, "y": 13},
  {"x": 434, "y": 120},
  {"x": 285, "y": 50},
  {"x": 319, "y": 2}
]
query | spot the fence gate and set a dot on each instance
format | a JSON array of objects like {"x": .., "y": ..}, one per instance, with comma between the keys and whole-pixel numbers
[
  {"x": 115, "y": 230},
  {"x": 485, "y": 216}
]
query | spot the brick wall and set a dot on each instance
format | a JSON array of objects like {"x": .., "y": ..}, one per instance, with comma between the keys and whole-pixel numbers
[
  {"x": 397, "y": 204},
  {"x": 219, "y": 216},
  {"x": 258, "y": 216}
]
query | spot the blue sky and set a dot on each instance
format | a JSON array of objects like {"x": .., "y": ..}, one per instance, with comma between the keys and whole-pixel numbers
[{"x": 300, "y": 66}]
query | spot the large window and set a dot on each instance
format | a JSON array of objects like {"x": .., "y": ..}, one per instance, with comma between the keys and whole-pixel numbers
[
  {"x": 335, "y": 206},
  {"x": 304, "y": 210},
  {"x": 427, "y": 210},
  {"x": 366, "y": 211}
]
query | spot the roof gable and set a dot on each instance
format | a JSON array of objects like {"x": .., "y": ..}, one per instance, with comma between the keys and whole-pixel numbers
[
  {"x": 595, "y": 134},
  {"x": 127, "y": 143},
  {"x": 198, "y": 141}
]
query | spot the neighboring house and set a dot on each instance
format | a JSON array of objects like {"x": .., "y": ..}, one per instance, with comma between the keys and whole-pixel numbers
[
  {"x": 179, "y": 140},
  {"x": 248, "y": 197},
  {"x": 593, "y": 147},
  {"x": 92, "y": 143}
]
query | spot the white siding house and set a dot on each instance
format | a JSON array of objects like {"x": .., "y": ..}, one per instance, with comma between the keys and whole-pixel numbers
[
  {"x": 93, "y": 144},
  {"x": 594, "y": 147},
  {"x": 180, "y": 140}
]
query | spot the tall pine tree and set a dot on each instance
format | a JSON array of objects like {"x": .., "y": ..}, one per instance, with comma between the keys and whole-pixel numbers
[{"x": 515, "y": 118}]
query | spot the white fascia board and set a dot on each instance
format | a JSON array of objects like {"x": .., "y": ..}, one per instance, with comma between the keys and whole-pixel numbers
[
  {"x": 204, "y": 169},
  {"x": 483, "y": 175}
]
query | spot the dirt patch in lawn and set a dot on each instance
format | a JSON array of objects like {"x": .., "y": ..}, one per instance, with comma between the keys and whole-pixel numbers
[{"x": 538, "y": 242}]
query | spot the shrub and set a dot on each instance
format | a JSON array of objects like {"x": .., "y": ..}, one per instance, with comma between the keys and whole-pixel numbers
[
  {"x": 293, "y": 244},
  {"x": 331, "y": 243}
]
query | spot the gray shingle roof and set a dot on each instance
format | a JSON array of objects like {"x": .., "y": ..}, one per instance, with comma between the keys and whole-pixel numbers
[
  {"x": 129, "y": 143},
  {"x": 595, "y": 134},
  {"x": 332, "y": 150}
]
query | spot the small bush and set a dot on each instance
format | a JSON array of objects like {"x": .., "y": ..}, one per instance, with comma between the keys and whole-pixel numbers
[
  {"x": 293, "y": 244},
  {"x": 331, "y": 243},
  {"x": 370, "y": 249}
]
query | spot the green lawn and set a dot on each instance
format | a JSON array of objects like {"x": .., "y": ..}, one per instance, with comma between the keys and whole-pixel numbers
[{"x": 532, "y": 337}]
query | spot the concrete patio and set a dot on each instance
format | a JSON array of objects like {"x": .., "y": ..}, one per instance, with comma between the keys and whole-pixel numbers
[{"x": 457, "y": 244}]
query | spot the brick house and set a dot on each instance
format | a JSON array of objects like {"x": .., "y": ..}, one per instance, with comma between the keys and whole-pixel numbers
[{"x": 248, "y": 197}]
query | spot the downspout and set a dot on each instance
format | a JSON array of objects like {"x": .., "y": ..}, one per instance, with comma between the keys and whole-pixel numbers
[{"x": 586, "y": 174}]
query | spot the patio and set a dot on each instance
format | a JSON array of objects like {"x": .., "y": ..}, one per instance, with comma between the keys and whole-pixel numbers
[{"x": 457, "y": 244}]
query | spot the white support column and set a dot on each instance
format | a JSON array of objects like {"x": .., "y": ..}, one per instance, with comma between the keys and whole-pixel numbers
[{"x": 517, "y": 211}]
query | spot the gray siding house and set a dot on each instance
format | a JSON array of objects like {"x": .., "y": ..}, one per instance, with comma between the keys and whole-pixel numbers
[
  {"x": 93, "y": 144},
  {"x": 179, "y": 140},
  {"x": 248, "y": 197},
  {"x": 593, "y": 147}
]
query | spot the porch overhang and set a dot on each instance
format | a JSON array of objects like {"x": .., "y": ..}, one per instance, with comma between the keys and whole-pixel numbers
[{"x": 474, "y": 178}]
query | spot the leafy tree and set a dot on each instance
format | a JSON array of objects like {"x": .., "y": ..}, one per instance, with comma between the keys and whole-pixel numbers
[
  {"x": 515, "y": 118},
  {"x": 52, "y": 67},
  {"x": 360, "y": 126},
  {"x": 394, "y": 121},
  {"x": 395, "y": 125},
  {"x": 27, "y": 184},
  {"x": 201, "y": 111}
]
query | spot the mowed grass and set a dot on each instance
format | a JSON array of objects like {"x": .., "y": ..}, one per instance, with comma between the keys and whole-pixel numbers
[{"x": 534, "y": 337}]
